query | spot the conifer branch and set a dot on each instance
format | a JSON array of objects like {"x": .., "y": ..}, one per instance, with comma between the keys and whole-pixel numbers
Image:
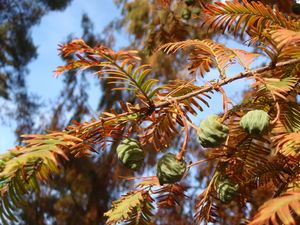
[
  {"x": 215, "y": 86},
  {"x": 205, "y": 89}
]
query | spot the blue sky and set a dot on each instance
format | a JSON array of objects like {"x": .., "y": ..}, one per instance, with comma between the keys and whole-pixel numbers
[{"x": 53, "y": 30}]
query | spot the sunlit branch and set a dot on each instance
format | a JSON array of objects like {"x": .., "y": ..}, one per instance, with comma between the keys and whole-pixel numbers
[{"x": 215, "y": 86}]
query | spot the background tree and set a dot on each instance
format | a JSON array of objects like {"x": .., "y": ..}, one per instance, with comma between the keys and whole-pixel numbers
[{"x": 18, "y": 49}]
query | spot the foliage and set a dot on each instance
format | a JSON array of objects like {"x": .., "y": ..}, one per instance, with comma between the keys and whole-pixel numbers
[
  {"x": 162, "y": 112},
  {"x": 135, "y": 208},
  {"x": 281, "y": 208}
]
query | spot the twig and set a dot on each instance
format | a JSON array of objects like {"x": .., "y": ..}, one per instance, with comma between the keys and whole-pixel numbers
[
  {"x": 277, "y": 114},
  {"x": 186, "y": 137},
  {"x": 225, "y": 101},
  {"x": 214, "y": 86},
  {"x": 198, "y": 162},
  {"x": 227, "y": 81},
  {"x": 193, "y": 126}
]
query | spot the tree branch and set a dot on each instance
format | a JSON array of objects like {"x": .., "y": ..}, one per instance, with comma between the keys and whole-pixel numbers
[
  {"x": 214, "y": 86},
  {"x": 227, "y": 81}
]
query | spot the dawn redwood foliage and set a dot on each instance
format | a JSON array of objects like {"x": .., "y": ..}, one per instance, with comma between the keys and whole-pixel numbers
[{"x": 253, "y": 145}]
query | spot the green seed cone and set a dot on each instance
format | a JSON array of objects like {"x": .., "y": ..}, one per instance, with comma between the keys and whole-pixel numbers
[
  {"x": 226, "y": 190},
  {"x": 255, "y": 121},
  {"x": 130, "y": 154},
  {"x": 212, "y": 133},
  {"x": 186, "y": 14},
  {"x": 170, "y": 169}
]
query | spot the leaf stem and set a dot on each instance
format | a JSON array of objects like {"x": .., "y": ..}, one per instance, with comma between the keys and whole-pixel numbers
[
  {"x": 215, "y": 86},
  {"x": 186, "y": 137}
]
